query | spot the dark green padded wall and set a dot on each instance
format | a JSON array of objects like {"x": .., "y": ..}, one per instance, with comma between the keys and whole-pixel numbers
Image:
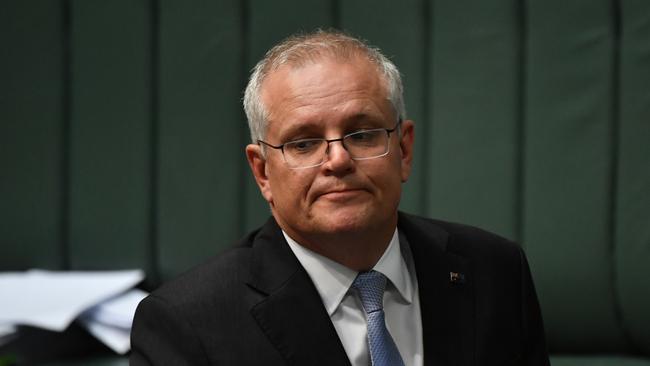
[
  {"x": 32, "y": 115},
  {"x": 633, "y": 183},
  {"x": 110, "y": 142},
  {"x": 568, "y": 167},
  {"x": 199, "y": 133},
  {"x": 474, "y": 99}
]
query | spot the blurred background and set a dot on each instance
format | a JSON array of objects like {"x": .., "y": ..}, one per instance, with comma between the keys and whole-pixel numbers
[{"x": 122, "y": 137}]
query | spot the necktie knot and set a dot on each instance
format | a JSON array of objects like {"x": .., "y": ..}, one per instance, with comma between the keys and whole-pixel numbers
[{"x": 371, "y": 286}]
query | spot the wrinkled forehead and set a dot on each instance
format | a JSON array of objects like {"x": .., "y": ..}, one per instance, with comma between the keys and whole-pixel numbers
[
  {"x": 322, "y": 93},
  {"x": 321, "y": 78}
]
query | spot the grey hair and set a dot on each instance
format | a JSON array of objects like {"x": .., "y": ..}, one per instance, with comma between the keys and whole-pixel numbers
[{"x": 301, "y": 49}]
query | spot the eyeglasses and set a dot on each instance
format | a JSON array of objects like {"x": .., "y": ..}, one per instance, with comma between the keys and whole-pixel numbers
[{"x": 361, "y": 145}]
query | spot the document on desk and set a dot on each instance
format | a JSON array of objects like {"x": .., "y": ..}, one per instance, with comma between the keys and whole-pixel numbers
[
  {"x": 52, "y": 300},
  {"x": 111, "y": 320},
  {"x": 7, "y": 332}
]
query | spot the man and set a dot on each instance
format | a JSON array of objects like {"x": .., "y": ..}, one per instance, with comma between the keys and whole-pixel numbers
[{"x": 338, "y": 276}]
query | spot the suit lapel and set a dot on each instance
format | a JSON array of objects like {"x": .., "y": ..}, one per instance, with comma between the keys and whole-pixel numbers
[
  {"x": 291, "y": 313},
  {"x": 446, "y": 294}
]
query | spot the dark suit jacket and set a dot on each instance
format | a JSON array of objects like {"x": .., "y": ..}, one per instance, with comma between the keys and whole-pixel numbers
[{"x": 256, "y": 305}]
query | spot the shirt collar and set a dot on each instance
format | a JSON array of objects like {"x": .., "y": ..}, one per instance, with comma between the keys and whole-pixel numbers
[
  {"x": 392, "y": 265},
  {"x": 332, "y": 279}
]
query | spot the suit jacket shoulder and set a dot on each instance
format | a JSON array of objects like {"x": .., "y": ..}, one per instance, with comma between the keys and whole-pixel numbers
[
  {"x": 251, "y": 305},
  {"x": 458, "y": 238},
  {"x": 478, "y": 300}
]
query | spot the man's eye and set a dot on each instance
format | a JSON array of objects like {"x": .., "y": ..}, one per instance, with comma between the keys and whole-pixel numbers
[
  {"x": 361, "y": 136},
  {"x": 303, "y": 146},
  {"x": 364, "y": 137}
]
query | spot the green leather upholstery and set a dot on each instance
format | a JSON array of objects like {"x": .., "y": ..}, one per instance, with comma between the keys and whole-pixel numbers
[
  {"x": 122, "y": 134},
  {"x": 632, "y": 210}
]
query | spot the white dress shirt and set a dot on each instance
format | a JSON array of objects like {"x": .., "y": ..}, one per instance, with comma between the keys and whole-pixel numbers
[{"x": 401, "y": 300}]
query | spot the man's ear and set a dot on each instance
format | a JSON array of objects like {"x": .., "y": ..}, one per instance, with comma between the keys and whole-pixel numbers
[
  {"x": 406, "y": 148},
  {"x": 257, "y": 163}
]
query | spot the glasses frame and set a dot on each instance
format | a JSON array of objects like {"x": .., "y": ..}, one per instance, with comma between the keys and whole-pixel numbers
[{"x": 281, "y": 146}]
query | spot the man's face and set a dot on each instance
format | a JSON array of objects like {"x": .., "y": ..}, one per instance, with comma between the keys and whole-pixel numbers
[{"x": 329, "y": 99}]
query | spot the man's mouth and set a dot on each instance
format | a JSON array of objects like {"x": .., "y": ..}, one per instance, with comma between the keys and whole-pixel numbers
[{"x": 341, "y": 195}]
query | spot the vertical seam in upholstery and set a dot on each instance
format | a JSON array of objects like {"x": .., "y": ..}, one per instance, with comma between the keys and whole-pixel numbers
[
  {"x": 244, "y": 14},
  {"x": 613, "y": 167},
  {"x": 154, "y": 142},
  {"x": 427, "y": 23},
  {"x": 520, "y": 148},
  {"x": 66, "y": 98}
]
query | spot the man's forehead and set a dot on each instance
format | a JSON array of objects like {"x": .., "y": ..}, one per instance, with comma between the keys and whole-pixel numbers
[
  {"x": 330, "y": 88},
  {"x": 279, "y": 83},
  {"x": 320, "y": 83}
]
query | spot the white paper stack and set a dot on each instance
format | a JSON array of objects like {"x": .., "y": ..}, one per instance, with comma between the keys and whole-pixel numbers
[
  {"x": 111, "y": 320},
  {"x": 52, "y": 300},
  {"x": 7, "y": 332}
]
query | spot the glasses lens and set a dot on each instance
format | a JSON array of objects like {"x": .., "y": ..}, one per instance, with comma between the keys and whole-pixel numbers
[
  {"x": 367, "y": 144},
  {"x": 304, "y": 153},
  {"x": 360, "y": 145}
]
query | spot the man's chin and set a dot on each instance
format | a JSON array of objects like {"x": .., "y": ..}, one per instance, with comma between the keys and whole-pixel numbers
[{"x": 345, "y": 220}]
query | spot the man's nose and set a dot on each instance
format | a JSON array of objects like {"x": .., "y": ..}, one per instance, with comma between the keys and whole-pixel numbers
[{"x": 338, "y": 156}]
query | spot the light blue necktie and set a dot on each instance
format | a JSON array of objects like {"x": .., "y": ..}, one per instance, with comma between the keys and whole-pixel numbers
[{"x": 383, "y": 351}]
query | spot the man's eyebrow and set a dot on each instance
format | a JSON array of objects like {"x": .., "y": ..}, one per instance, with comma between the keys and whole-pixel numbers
[
  {"x": 298, "y": 129},
  {"x": 313, "y": 127}
]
